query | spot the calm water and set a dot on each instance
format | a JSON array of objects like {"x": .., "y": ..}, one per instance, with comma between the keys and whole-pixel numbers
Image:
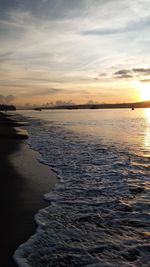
[{"x": 99, "y": 210}]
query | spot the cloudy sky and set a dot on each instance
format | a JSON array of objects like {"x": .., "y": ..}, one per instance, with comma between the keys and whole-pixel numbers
[{"x": 74, "y": 50}]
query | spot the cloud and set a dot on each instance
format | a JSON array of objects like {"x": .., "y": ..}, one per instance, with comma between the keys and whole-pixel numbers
[
  {"x": 145, "y": 81},
  {"x": 103, "y": 74},
  {"x": 65, "y": 43},
  {"x": 6, "y": 99},
  {"x": 142, "y": 71},
  {"x": 121, "y": 74},
  {"x": 102, "y": 77},
  {"x": 135, "y": 72},
  {"x": 103, "y": 31},
  {"x": 6, "y": 55},
  {"x": 131, "y": 26}
]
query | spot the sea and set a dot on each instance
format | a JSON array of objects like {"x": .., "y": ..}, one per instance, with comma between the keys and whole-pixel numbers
[{"x": 98, "y": 214}]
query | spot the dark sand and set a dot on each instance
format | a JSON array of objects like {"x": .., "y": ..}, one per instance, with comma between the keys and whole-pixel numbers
[{"x": 23, "y": 182}]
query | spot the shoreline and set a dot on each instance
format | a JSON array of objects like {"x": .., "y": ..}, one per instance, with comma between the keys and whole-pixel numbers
[{"x": 22, "y": 189}]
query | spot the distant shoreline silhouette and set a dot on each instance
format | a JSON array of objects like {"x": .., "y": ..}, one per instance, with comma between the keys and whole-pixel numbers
[
  {"x": 4, "y": 107},
  {"x": 143, "y": 104}
]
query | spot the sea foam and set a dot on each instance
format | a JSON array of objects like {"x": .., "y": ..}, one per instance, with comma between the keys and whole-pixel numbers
[{"x": 98, "y": 211}]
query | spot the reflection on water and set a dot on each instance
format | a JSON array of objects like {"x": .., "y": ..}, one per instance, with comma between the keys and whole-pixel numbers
[
  {"x": 147, "y": 130},
  {"x": 147, "y": 115},
  {"x": 100, "y": 206},
  {"x": 121, "y": 126}
]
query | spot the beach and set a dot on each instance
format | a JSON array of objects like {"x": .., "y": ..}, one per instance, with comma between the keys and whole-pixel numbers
[
  {"x": 98, "y": 212},
  {"x": 24, "y": 181}
]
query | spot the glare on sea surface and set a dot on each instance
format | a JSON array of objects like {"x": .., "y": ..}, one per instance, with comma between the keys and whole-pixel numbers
[
  {"x": 147, "y": 132},
  {"x": 147, "y": 115}
]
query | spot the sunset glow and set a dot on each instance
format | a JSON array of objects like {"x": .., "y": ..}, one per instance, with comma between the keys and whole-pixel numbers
[
  {"x": 144, "y": 91},
  {"x": 78, "y": 51}
]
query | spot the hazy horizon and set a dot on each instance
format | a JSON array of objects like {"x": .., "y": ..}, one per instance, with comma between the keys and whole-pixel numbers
[{"x": 74, "y": 51}]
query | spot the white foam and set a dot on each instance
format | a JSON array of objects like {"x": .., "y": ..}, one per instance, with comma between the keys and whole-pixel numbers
[{"x": 92, "y": 210}]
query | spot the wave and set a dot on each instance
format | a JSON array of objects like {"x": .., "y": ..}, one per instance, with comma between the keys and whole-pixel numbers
[{"x": 98, "y": 211}]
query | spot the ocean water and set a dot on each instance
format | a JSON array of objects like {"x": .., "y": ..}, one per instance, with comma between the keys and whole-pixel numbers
[{"x": 98, "y": 213}]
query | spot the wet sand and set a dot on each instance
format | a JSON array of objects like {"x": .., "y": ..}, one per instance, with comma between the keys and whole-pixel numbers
[{"x": 24, "y": 181}]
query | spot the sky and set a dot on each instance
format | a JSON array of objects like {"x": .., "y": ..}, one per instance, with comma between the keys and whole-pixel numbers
[{"x": 74, "y": 51}]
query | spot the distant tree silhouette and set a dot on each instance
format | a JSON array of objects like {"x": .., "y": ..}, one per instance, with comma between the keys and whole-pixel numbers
[{"x": 4, "y": 107}]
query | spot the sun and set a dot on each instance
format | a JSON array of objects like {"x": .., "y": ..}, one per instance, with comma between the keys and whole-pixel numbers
[{"x": 144, "y": 90}]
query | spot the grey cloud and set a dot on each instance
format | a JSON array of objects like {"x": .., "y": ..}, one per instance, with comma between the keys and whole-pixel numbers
[
  {"x": 126, "y": 73},
  {"x": 52, "y": 10},
  {"x": 121, "y": 74},
  {"x": 102, "y": 74},
  {"x": 103, "y": 31},
  {"x": 5, "y": 55},
  {"x": 6, "y": 99},
  {"x": 142, "y": 71},
  {"x": 9, "y": 98},
  {"x": 129, "y": 27},
  {"x": 126, "y": 76}
]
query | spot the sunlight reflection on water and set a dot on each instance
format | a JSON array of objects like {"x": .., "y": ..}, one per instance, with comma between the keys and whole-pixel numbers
[
  {"x": 108, "y": 126},
  {"x": 147, "y": 131},
  {"x": 100, "y": 206}
]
